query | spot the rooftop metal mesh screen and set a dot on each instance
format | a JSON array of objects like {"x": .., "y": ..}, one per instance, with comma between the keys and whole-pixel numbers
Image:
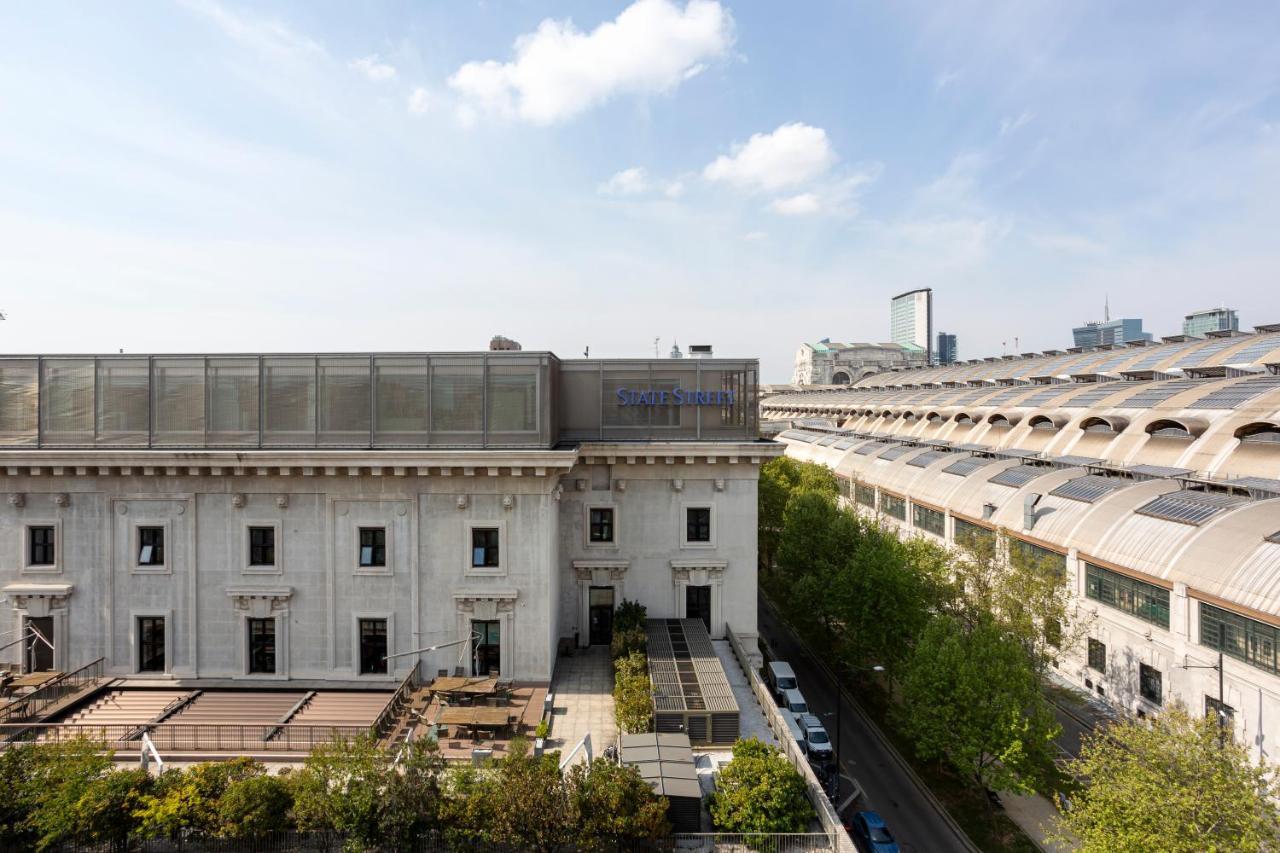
[
  {"x": 1019, "y": 475},
  {"x": 1089, "y": 488},
  {"x": 1190, "y": 507}
]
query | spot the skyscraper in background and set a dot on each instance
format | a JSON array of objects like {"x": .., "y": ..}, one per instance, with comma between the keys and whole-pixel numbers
[
  {"x": 911, "y": 320},
  {"x": 946, "y": 352},
  {"x": 1197, "y": 323},
  {"x": 1107, "y": 332}
]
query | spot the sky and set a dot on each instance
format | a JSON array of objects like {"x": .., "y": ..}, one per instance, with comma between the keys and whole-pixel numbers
[{"x": 208, "y": 175}]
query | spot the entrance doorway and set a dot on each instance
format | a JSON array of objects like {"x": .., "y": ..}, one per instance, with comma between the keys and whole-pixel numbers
[
  {"x": 488, "y": 649},
  {"x": 600, "y": 601},
  {"x": 39, "y": 656},
  {"x": 697, "y": 604}
]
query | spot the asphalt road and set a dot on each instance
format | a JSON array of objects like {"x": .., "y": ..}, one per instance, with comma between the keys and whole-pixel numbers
[{"x": 887, "y": 789}]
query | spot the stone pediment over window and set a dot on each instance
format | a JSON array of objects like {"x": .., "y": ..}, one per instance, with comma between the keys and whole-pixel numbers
[
  {"x": 260, "y": 602},
  {"x": 600, "y": 572},
  {"x": 485, "y": 603},
  {"x": 38, "y": 599},
  {"x": 698, "y": 572}
]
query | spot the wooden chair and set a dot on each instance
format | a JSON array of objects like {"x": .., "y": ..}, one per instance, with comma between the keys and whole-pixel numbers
[
  {"x": 457, "y": 672},
  {"x": 493, "y": 673},
  {"x": 442, "y": 673}
]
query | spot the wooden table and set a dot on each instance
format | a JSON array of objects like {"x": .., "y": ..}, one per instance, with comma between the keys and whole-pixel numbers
[
  {"x": 475, "y": 718},
  {"x": 474, "y": 685},
  {"x": 33, "y": 679}
]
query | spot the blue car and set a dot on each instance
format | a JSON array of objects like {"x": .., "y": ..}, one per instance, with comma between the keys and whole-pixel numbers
[{"x": 870, "y": 833}]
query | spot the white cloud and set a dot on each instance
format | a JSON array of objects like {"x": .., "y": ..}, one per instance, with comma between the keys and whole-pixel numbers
[
  {"x": 636, "y": 181},
  {"x": 1009, "y": 125},
  {"x": 373, "y": 68},
  {"x": 559, "y": 71},
  {"x": 945, "y": 79},
  {"x": 420, "y": 101},
  {"x": 755, "y": 236},
  {"x": 793, "y": 154},
  {"x": 805, "y": 204}
]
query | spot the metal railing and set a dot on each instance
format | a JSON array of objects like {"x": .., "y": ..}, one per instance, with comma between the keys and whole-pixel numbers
[
  {"x": 52, "y": 692},
  {"x": 386, "y": 719},
  {"x": 170, "y": 737}
]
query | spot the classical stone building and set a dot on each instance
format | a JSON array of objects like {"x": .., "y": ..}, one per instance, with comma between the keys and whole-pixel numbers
[
  {"x": 262, "y": 518},
  {"x": 832, "y": 363}
]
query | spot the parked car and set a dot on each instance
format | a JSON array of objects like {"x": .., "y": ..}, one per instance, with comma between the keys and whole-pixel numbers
[
  {"x": 780, "y": 678},
  {"x": 870, "y": 833},
  {"x": 797, "y": 730},
  {"x": 793, "y": 701},
  {"x": 817, "y": 741}
]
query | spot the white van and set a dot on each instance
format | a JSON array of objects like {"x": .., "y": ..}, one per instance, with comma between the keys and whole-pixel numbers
[
  {"x": 796, "y": 731},
  {"x": 793, "y": 701},
  {"x": 780, "y": 677}
]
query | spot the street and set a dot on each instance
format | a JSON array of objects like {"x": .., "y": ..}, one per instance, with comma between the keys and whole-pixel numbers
[{"x": 887, "y": 789}]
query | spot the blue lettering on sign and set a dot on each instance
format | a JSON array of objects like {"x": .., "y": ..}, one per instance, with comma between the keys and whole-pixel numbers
[{"x": 675, "y": 397}]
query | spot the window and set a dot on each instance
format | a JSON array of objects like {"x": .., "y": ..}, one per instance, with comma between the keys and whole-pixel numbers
[
  {"x": 373, "y": 546},
  {"x": 1244, "y": 639},
  {"x": 601, "y": 524},
  {"x": 1220, "y": 711},
  {"x": 1028, "y": 556},
  {"x": 373, "y": 646},
  {"x": 698, "y": 524},
  {"x": 1097, "y": 656},
  {"x": 865, "y": 495},
  {"x": 970, "y": 535},
  {"x": 928, "y": 519},
  {"x": 1143, "y": 600},
  {"x": 893, "y": 505},
  {"x": 484, "y": 547},
  {"x": 262, "y": 546},
  {"x": 262, "y": 646},
  {"x": 1150, "y": 684},
  {"x": 40, "y": 546},
  {"x": 150, "y": 546},
  {"x": 151, "y": 644}
]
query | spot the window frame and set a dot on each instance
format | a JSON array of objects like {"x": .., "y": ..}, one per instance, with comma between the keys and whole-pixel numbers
[
  {"x": 52, "y": 568},
  {"x": 1097, "y": 665},
  {"x": 1129, "y": 595},
  {"x": 165, "y": 567},
  {"x": 504, "y": 547},
  {"x": 861, "y": 490},
  {"x": 1251, "y": 637},
  {"x": 590, "y": 525},
  {"x": 357, "y": 646},
  {"x": 140, "y": 642},
  {"x": 685, "y": 541},
  {"x": 919, "y": 510},
  {"x": 248, "y": 626},
  {"x": 1146, "y": 674},
  {"x": 373, "y": 568},
  {"x": 274, "y": 568}
]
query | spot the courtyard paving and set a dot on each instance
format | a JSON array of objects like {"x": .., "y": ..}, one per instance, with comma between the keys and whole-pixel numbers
[{"x": 583, "y": 691}]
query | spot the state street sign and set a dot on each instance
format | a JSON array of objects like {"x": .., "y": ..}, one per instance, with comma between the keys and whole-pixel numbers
[{"x": 674, "y": 397}]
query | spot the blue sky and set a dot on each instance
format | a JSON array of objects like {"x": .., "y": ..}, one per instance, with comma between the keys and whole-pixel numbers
[{"x": 209, "y": 175}]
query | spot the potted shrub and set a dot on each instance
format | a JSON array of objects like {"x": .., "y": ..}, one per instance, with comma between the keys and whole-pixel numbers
[{"x": 540, "y": 736}]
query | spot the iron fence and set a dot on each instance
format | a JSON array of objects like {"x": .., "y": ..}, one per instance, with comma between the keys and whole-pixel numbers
[
  {"x": 52, "y": 692},
  {"x": 177, "y": 737}
]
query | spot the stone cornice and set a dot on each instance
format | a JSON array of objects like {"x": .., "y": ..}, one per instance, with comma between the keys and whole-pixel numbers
[{"x": 680, "y": 452}]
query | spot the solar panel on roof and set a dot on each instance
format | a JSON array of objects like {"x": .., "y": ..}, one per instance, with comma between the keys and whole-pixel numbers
[
  {"x": 1076, "y": 461},
  {"x": 1233, "y": 396},
  {"x": 974, "y": 448},
  {"x": 1190, "y": 507},
  {"x": 965, "y": 467},
  {"x": 1158, "y": 392},
  {"x": 870, "y": 447},
  {"x": 924, "y": 460},
  {"x": 1159, "y": 471},
  {"x": 1098, "y": 392},
  {"x": 1255, "y": 350},
  {"x": 1019, "y": 475},
  {"x": 1089, "y": 488},
  {"x": 1156, "y": 355},
  {"x": 1257, "y": 484},
  {"x": 895, "y": 451},
  {"x": 1041, "y": 397},
  {"x": 1205, "y": 354}
]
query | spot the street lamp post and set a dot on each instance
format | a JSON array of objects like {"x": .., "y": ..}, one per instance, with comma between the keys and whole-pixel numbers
[
  {"x": 840, "y": 718},
  {"x": 1222, "y": 698}
]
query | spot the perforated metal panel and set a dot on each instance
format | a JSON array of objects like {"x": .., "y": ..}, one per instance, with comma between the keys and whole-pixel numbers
[
  {"x": 1019, "y": 475},
  {"x": 924, "y": 460},
  {"x": 1234, "y": 396},
  {"x": 1190, "y": 507},
  {"x": 1090, "y": 488},
  {"x": 1158, "y": 392},
  {"x": 965, "y": 467},
  {"x": 895, "y": 451},
  {"x": 1075, "y": 461},
  {"x": 871, "y": 447}
]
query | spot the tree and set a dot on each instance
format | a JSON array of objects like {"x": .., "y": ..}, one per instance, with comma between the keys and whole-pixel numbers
[
  {"x": 183, "y": 804},
  {"x": 57, "y": 775},
  {"x": 350, "y": 787},
  {"x": 105, "y": 810},
  {"x": 971, "y": 697},
  {"x": 527, "y": 801},
  {"x": 254, "y": 806},
  {"x": 780, "y": 479},
  {"x": 1169, "y": 784},
  {"x": 611, "y": 805},
  {"x": 411, "y": 799},
  {"x": 760, "y": 791}
]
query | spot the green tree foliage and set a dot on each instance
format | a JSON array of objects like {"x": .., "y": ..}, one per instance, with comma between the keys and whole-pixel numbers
[
  {"x": 612, "y": 805},
  {"x": 780, "y": 478},
  {"x": 55, "y": 777},
  {"x": 629, "y": 615},
  {"x": 971, "y": 697},
  {"x": 185, "y": 803},
  {"x": 105, "y": 812},
  {"x": 760, "y": 791},
  {"x": 1170, "y": 784},
  {"x": 254, "y": 806},
  {"x": 632, "y": 694},
  {"x": 350, "y": 787},
  {"x": 521, "y": 802}
]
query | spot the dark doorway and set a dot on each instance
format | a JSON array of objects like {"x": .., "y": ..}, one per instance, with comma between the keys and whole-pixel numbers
[
  {"x": 39, "y": 655},
  {"x": 600, "y": 601},
  {"x": 697, "y": 604},
  {"x": 150, "y": 644},
  {"x": 488, "y": 650}
]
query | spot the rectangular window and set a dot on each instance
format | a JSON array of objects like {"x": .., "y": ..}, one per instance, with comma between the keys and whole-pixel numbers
[
  {"x": 150, "y": 546},
  {"x": 1146, "y": 601},
  {"x": 1220, "y": 711},
  {"x": 893, "y": 505},
  {"x": 1239, "y": 637},
  {"x": 484, "y": 547},
  {"x": 601, "y": 524},
  {"x": 262, "y": 546},
  {"x": 1097, "y": 656},
  {"x": 1027, "y": 555},
  {"x": 373, "y": 646},
  {"x": 970, "y": 535},
  {"x": 262, "y": 646},
  {"x": 864, "y": 495},
  {"x": 151, "y": 644},
  {"x": 929, "y": 520},
  {"x": 1150, "y": 684},
  {"x": 373, "y": 546},
  {"x": 698, "y": 524},
  {"x": 40, "y": 546}
]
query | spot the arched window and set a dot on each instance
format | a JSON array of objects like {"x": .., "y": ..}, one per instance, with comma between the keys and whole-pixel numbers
[
  {"x": 1259, "y": 433},
  {"x": 933, "y": 418},
  {"x": 998, "y": 420},
  {"x": 1168, "y": 429},
  {"x": 964, "y": 418},
  {"x": 908, "y": 416},
  {"x": 1043, "y": 422},
  {"x": 1097, "y": 425}
]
